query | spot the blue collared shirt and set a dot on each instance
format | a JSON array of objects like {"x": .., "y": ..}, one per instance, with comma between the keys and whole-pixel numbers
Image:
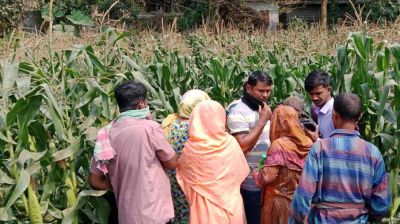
[{"x": 324, "y": 114}]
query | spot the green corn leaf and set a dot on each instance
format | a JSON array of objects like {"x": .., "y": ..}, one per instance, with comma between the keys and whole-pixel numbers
[
  {"x": 159, "y": 72},
  {"x": 94, "y": 60},
  {"x": 166, "y": 104},
  {"x": 106, "y": 106},
  {"x": 10, "y": 75},
  {"x": 384, "y": 97},
  {"x": 70, "y": 213},
  {"x": 381, "y": 62},
  {"x": 139, "y": 77},
  {"x": 48, "y": 188},
  {"x": 37, "y": 130},
  {"x": 23, "y": 83},
  {"x": 25, "y": 116},
  {"x": 19, "y": 106},
  {"x": 26, "y": 68},
  {"x": 387, "y": 140},
  {"x": 55, "y": 212},
  {"x": 22, "y": 184},
  {"x": 395, "y": 50},
  {"x": 389, "y": 115},
  {"x": 347, "y": 81},
  {"x": 380, "y": 80},
  {"x": 395, "y": 207},
  {"x": 130, "y": 62},
  {"x": 56, "y": 119},
  {"x": 70, "y": 151},
  {"x": 5, "y": 179},
  {"x": 359, "y": 45},
  {"x": 26, "y": 155},
  {"x": 6, "y": 215}
]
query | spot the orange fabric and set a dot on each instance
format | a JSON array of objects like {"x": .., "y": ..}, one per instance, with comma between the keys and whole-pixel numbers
[
  {"x": 277, "y": 197},
  {"x": 266, "y": 175},
  {"x": 285, "y": 122},
  {"x": 211, "y": 168},
  {"x": 286, "y": 156}
]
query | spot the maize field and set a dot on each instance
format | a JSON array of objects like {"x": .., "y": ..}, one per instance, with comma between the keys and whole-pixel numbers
[{"x": 51, "y": 108}]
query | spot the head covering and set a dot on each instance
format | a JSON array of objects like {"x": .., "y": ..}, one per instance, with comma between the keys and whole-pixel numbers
[
  {"x": 212, "y": 163},
  {"x": 296, "y": 102},
  {"x": 289, "y": 143},
  {"x": 187, "y": 102}
]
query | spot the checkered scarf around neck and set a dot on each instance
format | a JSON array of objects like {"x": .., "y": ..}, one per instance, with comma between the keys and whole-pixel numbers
[{"x": 103, "y": 151}]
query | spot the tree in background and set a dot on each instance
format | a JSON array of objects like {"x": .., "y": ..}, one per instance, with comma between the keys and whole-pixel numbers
[{"x": 324, "y": 13}]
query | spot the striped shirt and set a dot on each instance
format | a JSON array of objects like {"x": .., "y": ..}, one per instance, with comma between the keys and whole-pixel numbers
[
  {"x": 242, "y": 119},
  {"x": 345, "y": 170}
]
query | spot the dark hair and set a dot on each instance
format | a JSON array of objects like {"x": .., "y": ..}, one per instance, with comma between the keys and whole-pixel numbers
[
  {"x": 315, "y": 79},
  {"x": 348, "y": 106},
  {"x": 128, "y": 95},
  {"x": 258, "y": 76}
]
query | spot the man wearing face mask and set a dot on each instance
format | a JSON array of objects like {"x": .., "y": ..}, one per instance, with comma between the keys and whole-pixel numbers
[
  {"x": 248, "y": 121},
  {"x": 129, "y": 158}
]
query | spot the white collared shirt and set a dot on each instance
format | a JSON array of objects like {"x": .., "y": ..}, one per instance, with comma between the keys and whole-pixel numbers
[{"x": 324, "y": 114}]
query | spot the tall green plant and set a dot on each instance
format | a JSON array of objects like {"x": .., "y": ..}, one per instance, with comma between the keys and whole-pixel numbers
[{"x": 50, "y": 110}]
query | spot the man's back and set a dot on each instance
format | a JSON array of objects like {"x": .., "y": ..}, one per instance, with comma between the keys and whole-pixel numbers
[
  {"x": 139, "y": 181},
  {"x": 345, "y": 180}
]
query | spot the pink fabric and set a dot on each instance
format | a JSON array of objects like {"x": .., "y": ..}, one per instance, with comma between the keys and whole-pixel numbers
[
  {"x": 211, "y": 168},
  {"x": 141, "y": 187},
  {"x": 103, "y": 150}
]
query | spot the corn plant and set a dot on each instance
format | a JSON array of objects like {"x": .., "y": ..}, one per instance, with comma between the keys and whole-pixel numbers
[{"x": 51, "y": 108}]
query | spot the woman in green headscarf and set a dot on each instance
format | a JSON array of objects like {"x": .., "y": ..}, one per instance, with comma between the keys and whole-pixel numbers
[{"x": 176, "y": 128}]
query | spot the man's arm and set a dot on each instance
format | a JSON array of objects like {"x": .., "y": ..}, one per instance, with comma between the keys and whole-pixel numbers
[
  {"x": 163, "y": 149},
  {"x": 380, "y": 202},
  {"x": 247, "y": 140},
  {"x": 172, "y": 163},
  {"x": 301, "y": 202},
  {"x": 99, "y": 182}
]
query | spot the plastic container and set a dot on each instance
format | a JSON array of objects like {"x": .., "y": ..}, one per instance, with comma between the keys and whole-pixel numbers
[{"x": 262, "y": 161}]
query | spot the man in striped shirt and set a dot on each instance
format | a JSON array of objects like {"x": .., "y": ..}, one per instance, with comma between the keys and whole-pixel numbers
[
  {"x": 344, "y": 179},
  {"x": 248, "y": 121}
]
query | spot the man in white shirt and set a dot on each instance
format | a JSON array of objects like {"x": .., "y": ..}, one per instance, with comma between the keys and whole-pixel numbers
[
  {"x": 318, "y": 87},
  {"x": 248, "y": 121}
]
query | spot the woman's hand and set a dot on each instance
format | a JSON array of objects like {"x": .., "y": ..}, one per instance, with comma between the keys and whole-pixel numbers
[{"x": 258, "y": 178}]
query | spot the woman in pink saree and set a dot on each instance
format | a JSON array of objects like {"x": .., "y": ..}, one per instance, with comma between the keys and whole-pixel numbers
[{"x": 211, "y": 168}]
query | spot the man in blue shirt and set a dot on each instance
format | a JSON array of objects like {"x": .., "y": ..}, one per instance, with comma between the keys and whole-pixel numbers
[
  {"x": 318, "y": 87},
  {"x": 344, "y": 178}
]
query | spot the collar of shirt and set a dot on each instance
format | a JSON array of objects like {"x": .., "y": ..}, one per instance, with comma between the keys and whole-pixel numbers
[
  {"x": 346, "y": 132},
  {"x": 326, "y": 108}
]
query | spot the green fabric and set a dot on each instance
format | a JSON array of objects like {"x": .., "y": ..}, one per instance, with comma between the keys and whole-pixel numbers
[{"x": 138, "y": 114}]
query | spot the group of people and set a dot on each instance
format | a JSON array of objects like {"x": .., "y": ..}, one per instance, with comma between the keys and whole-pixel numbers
[{"x": 244, "y": 163}]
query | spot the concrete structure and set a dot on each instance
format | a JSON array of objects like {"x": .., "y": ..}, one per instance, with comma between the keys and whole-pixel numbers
[{"x": 268, "y": 11}]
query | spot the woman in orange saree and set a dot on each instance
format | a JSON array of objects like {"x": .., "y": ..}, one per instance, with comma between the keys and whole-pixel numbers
[
  {"x": 211, "y": 168},
  {"x": 281, "y": 172}
]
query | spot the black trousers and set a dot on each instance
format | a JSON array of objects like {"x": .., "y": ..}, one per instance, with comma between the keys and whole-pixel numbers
[
  {"x": 252, "y": 206},
  {"x": 113, "y": 217}
]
